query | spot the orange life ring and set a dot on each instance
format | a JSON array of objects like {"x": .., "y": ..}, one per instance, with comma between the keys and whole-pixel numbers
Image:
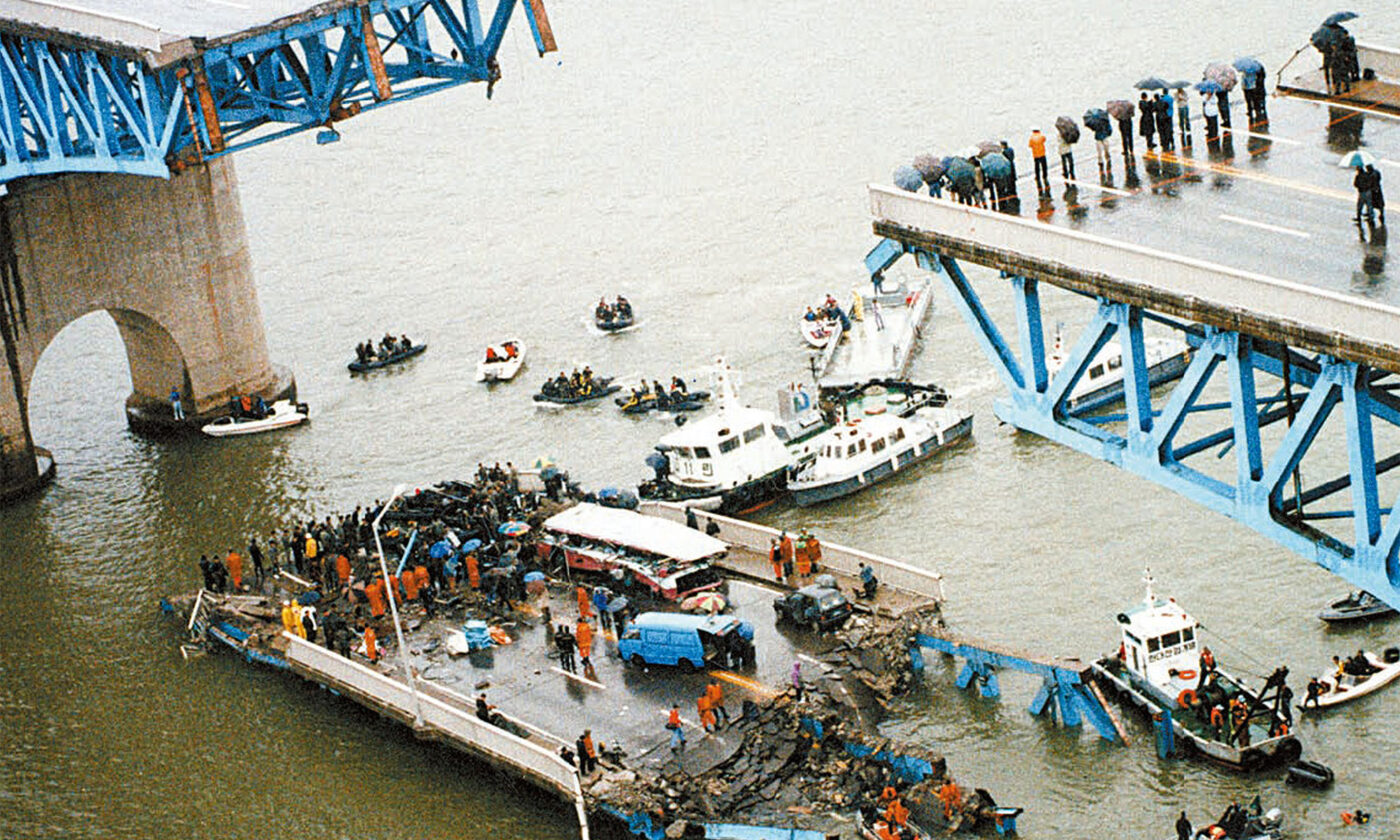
[
  {"x": 1186, "y": 698},
  {"x": 1188, "y": 674},
  {"x": 875, "y": 410}
]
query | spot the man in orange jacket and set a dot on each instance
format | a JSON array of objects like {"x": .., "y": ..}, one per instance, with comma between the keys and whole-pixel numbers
[
  {"x": 583, "y": 637},
  {"x": 234, "y": 564},
  {"x": 1042, "y": 168}
]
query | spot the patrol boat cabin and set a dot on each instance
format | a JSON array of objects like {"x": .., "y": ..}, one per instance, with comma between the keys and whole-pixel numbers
[
  {"x": 733, "y": 461},
  {"x": 1159, "y": 668}
]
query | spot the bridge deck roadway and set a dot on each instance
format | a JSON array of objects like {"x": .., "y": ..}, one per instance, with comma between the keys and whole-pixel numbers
[{"x": 1254, "y": 233}]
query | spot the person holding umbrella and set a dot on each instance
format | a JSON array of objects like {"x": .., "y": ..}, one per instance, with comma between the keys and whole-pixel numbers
[
  {"x": 1097, "y": 121},
  {"x": 1147, "y": 122},
  {"x": 1209, "y": 109},
  {"x": 1122, "y": 111},
  {"x": 1069, "y": 135},
  {"x": 1183, "y": 116},
  {"x": 1162, "y": 102}
]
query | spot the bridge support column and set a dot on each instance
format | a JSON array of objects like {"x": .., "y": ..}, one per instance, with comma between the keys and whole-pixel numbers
[{"x": 168, "y": 259}]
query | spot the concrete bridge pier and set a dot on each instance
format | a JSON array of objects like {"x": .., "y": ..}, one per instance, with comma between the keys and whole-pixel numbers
[{"x": 168, "y": 260}]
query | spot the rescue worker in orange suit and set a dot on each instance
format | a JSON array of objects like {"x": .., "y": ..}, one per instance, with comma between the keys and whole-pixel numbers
[
  {"x": 951, "y": 796},
  {"x": 587, "y": 754},
  {"x": 234, "y": 564},
  {"x": 788, "y": 553},
  {"x": 371, "y": 648},
  {"x": 888, "y": 795},
  {"x": 375, "y": 593},
  {"x": 707, "y": 717},
  {"x": 1217, "y": 720},
  {"x": 804, "y": 559},
  {"x": 896, "y": 813},
  {"x": 473, "y": 572},
  {"x": 410, "y": 585},
  {"x": 585, "y": 603},
  {"x": 715, "y": 692},
  {"x": 884, "y": 832},
  {"x": 342, "y": 569},
  {"x": 775, "y": 556},
  {"x": 583, "y": 637},
  {"x": 289, "y": 617},
  {"x": 1042, "y": 168}
]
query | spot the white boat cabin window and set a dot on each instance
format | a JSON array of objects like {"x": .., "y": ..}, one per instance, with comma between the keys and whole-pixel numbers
[
  {"x": 728, "y": 445},
  {"x": 1096, "y": 371},
  {"x": 1115, "y": 363},
  {"x": 851, "y": 451},
  {"x": 861, "y": 444},
  {"x": 753, "y": 434},
  {"x": 897, "y": 435},
  {"x": 702, "y": 452},
  {"x": 685, "y": 452},
  {"x": 877, "y": 445}
]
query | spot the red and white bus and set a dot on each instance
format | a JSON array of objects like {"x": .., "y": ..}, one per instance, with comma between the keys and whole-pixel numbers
[{"x": 666, "y": 557}]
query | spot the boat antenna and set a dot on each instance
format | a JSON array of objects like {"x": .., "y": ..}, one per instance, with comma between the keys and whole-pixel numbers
[
  {"x": 1147, "y": 579},
  {"x": 725, "y": 384}
]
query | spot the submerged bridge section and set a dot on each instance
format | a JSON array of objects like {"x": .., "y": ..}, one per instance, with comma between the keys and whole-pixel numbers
[
  {"x": 1279, "y": 368},
  {"x": 90, "y": 97}
]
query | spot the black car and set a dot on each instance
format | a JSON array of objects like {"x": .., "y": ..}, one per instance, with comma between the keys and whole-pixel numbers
[{"x": 818, "y": 607}]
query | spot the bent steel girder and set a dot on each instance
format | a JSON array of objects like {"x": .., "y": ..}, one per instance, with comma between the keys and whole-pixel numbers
[
  {"x": 69, "y": 108},
  {"x": 1321, "y": 395}
]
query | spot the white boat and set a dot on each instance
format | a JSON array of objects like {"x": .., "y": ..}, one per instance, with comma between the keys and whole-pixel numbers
[
  {"x": 737, "y": 459},
  {"x": 863, "y": 451},
  {"x": 501, "y": 362},
  {"x": 1158, "y": 669},
  {"x": 280, "y": 415},
  {"x": 1338, "y": 690},
  {"x": 1102, "y": 381},
  {"x": 819, "y": 325},
  {"x": 884, "y": 332}
]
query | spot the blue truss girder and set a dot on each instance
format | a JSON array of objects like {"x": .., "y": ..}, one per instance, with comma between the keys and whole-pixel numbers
[
  {"x": 65, "y": 109},
  {"x": 1332, "y": 397}
]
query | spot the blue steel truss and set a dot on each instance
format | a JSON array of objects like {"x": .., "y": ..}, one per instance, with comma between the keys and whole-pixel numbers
[
  {"x": 1059, "y": 686},
  {"x": 67, "y": 109},
  {"x": 1265, "y": 492}
]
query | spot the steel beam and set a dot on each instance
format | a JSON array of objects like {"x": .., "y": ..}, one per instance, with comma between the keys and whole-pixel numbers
[{"x": 71, "y": 107}]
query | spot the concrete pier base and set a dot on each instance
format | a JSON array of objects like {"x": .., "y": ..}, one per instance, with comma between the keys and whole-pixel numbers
[{"x": 168, "y": 260}]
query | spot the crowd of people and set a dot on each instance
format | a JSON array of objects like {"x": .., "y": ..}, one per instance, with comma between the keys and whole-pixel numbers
[
  {"x": 612, "y": 313},
  {"x": 795, "y": 562},
  {"x": 509, "y": 350},
  {"x": 248, "y": 407},
  {"x": 580, "y": 383},
  {"x": 830, "y": 310},
  {"x": 388, "y": 346},
  {"x": 1340, "y": 67}
]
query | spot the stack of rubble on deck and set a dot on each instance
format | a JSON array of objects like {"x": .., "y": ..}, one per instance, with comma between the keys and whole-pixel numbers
[{"x": 785, "y": 774}]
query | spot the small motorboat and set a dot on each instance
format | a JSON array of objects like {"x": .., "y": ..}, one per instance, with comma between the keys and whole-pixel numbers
[
  {"x": 614, "y": 317},
  {"x": 381, "y": 361},
  {"x": 1250, "y": 822},
  {"x": 1356, "y": 606},
  {"x": 1310, "y": 774},
  {"x": 597, "y": 389},
  {"x": 822, "y": 321},
  {"x": 641, "y": 402},
  {"x": 501, "y": 362},
  {"x": 1335, "y": 690},
  {"x": 280, "y": 415}
]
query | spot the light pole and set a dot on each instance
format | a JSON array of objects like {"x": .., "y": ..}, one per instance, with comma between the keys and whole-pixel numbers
[{"x": 394, "y": 610}]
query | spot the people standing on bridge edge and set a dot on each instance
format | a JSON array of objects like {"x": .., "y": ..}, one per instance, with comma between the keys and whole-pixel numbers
[
  {"x": 587, "y": 754},
  {"x": 175, "y": 405},
  {"x": 1042, "y": 168},
  {"x": 1147, "y": 120},
  {"x": 673, "y": 723},
  {"x": 797, "y": 681},
  {"x": 1067, "y": 141},
  {"x": 583, "y": 637},
  {"x": 1183, "y": 827},
  {"x": 1255, "y": 95},
  {"x": 788, "y": 552},
  {"x": 690, "y": 521},
  {"x": 1102, "y": 131},
  {"x": 1009, "y": 186},
  {"x": 1377, "y": 194},
  {"x": 1166, "y": 109},
  {"x": 1222, "y": 97},
  {"x": 1211, "y": 112},
  {"x": 564, "y": 641},
  {"x": 775, "y": 557},
  {"x": 1125, "y": 131},
  {"x": 1183, "y": 117},
  {"x": 1364, "y": 190}
]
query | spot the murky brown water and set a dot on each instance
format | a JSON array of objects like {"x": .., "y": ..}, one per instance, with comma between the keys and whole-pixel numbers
[{"x": 708, "y": 161}]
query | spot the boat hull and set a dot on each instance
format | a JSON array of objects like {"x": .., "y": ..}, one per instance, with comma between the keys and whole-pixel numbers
[
  {"x": 282, "y": 419},
  {"x": 1266, "y": 752},
  {"x": 1346, "y": 610},
  {"x": 743, "y": 498},
  {"x": 596, "y": 395},
  {"x": 1352, "y": 690},
  {"x": 364, "y": 367},
  {"x": 503, "y": 370},
  {"x": 815, "y": 492},
  {"x": 1166, "y": 370}
]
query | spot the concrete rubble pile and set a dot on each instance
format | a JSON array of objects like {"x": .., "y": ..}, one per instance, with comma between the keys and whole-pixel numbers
[
  {"x": 783, "y": 773},
  {"x": 877, "y": 652}
]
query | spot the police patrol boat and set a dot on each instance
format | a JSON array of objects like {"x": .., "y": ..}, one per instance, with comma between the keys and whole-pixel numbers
[{"x": 1160, "y": 668}]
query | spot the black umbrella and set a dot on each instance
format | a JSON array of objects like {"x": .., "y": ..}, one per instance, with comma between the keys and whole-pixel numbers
[
  {"x": 1327, "y": 37},
  {"x": 1339, "y": 17},
  {"x": 1096, "y": 118},
  {"x": 1068, "y": 128},
  {"x": 960, "y": 171},
  {"x": 1120, "y": 109},
  {"x": 930, "y": 167},
  {"x": 995, "y": 165},
  {"x": 986, "y": 147},
  {"x": 1151, "y": 83}
]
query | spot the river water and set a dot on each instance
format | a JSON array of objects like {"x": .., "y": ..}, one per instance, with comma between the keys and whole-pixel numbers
[{"x": 708, "y": 161}]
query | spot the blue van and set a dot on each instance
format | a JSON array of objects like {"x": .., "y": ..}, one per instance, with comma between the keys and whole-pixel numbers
[{"x": 690, "y": 641}]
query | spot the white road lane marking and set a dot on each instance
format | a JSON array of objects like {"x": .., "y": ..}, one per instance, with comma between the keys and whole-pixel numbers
[
  {"x": 1301, "y": 234},
  {"x": 1100, "y": 187}
]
